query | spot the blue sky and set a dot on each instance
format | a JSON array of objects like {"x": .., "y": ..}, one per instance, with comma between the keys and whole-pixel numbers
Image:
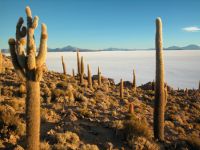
[{"x": 98, "y": 24}]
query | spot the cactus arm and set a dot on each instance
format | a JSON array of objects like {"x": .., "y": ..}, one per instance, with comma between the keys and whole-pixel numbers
[
  {"x": 29, "y": 17},
  {"x": 35, "y": 22},
  {"x": 20, "y": 34},
  {"x": 39, "y": 73},
  {"x": 29, "y": 26},
  {"x": 41, "y": 57},
  {"x": 16, "y": 65}
]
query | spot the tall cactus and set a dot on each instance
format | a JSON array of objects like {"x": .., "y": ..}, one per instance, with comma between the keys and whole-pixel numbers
[
  {"x": 82, "y": 70},
  {"x": 199, "y": 85},
  {"x": 134, "y": 81},
  {"x": 121, "y": 88},
  {"x": 30, "y": 67},
  {"x": 99, "y": 77},
  {"x": 64, "y": 66},
  {"x": 78, "y": 63},
  {"x": 89, "y": 77},
  {"x": 1, "y": 62},
  {"x": 159, "y": 104}
]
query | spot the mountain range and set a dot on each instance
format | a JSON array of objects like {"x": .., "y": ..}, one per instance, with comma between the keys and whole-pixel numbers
[{"x": 73, "y": 49}]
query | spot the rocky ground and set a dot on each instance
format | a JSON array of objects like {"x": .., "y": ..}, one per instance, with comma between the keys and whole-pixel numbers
[{"x": 76, "y": 117}]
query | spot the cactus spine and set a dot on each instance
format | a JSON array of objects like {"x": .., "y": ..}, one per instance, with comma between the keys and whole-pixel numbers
[
  {"x": 82, "y": 70},
  {"x": 121, "y": 88},
  {"x": 159, "y": 104},
  {"x": 78, "y": 63},
  {"x": 64, "y": 66},
  {"x": 134, "y": 81},
  {"x": 89, "y": 77},
  {"x": 30, "y": 67},
  {"x": 99, "y": 77}
]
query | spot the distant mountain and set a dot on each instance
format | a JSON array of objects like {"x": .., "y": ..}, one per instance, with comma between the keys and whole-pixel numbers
[
  {"x": 70, "y": 48},
  {"x": 188, "y": 47},
  {"x": 118, "y": 49}
]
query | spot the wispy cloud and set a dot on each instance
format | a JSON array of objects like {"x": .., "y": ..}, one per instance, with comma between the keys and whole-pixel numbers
[{"x": 191, "y": 29}]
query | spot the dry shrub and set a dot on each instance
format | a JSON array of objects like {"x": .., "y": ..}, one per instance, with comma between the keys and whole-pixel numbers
[
  {"x": 193, "y": 142},
  {"x": 141, "y": 143},
  {"x": 57, "y": 93},
  {"x": 67, "y": 140},
  {"x": 134, "y": 127},
  {"x": 9, "y": 119},
  {"x": 62, "y": 85},
  {"x": 89, "y": 147},
  {"x": 45, "y": 146}
]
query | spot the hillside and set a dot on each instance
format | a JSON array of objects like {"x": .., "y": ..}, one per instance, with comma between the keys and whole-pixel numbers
[{"x": 76, "y": 117}]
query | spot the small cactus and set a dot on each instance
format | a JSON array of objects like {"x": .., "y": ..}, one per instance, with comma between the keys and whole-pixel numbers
[
  {"x": 159, "y": 103},
  {"x": 121, "y": 88},
  {"x": 186, "y": 92},
  {"x": 99, "y": 77},
  {"x": 131, "y": 108},
  {"x": 73, "y": 73},
  {"x": 134, "y": 81},
  {"x": 29, "y": 68},
  {"x": 166, "y": 95},
  {"x": 64, "y": 66},
  {"x": 89, "y": 77},
  {"x": 153, "y": 85},
  {"x": 82, "y": 70}
]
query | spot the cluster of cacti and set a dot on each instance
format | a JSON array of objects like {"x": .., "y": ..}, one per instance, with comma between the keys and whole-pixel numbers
[
  {"x": 1, "y": 62},
  {"x": 134, "y": 81},
  {"x": 64, "y": 66},
  {"x": 30, "y": 68},
  {"x": 89, "y": 77},
  {"x": 99, "y": 77},
  {"x": 159, "y": 104},
  {"x": 121, "y": 88},
  {"x": 82, "y": 71}
]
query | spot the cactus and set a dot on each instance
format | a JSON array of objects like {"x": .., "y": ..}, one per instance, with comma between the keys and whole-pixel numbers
[
  {"x": 1, "y": 62},
  {"x": 121, "y": 88},
  {"x": 153, "y": 85},
  {"x": 186, "y": 92},
  {"x": 99, "y": 77},
  {"x": 159, "y": 104},
  {"x": 78, "y": 63},
  {"x": 131, "y": 108},
  {"x": 82, "y": 70},
  {"x": 134, "y": 81},
  {"x": 29, "y": 67},
  {"x": 64, "y": 66},
  {"x": 166, "y": 95},
  {"x": 89, "y": 77},
  {"x": 73, "y": 73},
  {"x": 199, "y": 85}
]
